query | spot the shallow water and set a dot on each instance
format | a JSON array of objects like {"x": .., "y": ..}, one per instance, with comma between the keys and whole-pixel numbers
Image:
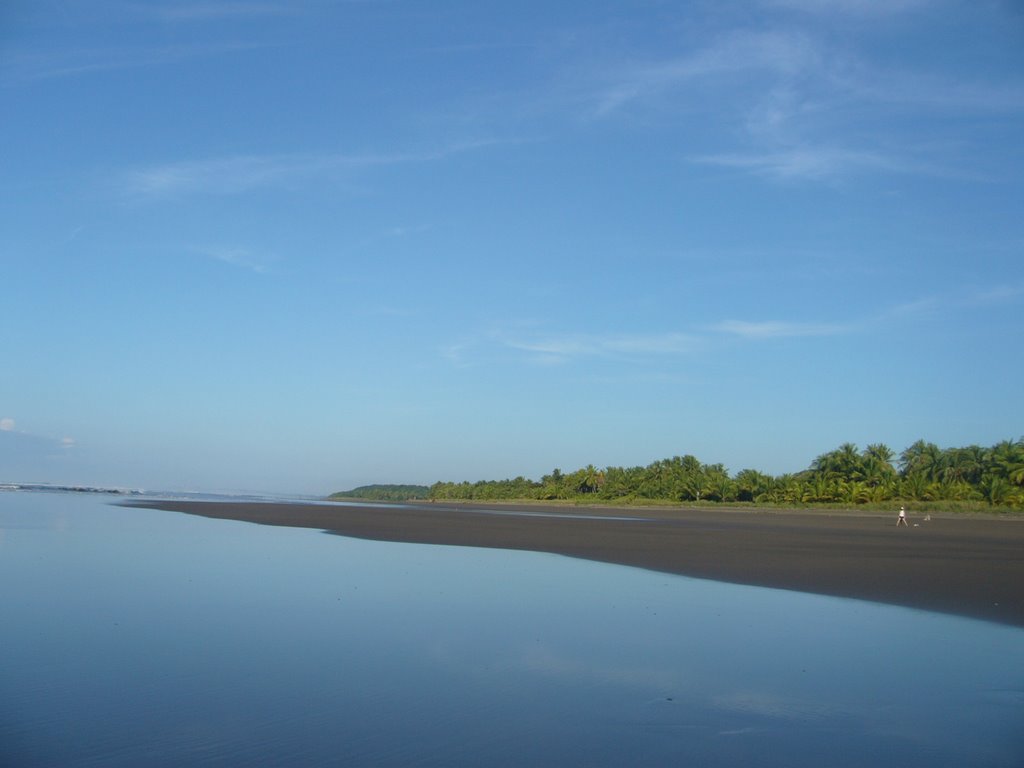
[{"x": 140, "y": 637}]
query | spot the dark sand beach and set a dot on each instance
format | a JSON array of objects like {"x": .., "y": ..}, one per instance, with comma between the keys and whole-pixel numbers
[{"x": 969, "y": 566}]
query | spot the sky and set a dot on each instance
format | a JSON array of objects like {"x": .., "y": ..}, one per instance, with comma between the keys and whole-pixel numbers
[{"x": 304, "y": 246}]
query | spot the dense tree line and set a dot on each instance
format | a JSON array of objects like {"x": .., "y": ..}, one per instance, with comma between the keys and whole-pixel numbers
[
  {"x": 383, "y": 493},
  {"x": 922, "y": 473}
]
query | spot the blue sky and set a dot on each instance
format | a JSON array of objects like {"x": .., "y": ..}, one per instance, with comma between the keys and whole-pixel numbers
[{"x": 304, "y": 246}]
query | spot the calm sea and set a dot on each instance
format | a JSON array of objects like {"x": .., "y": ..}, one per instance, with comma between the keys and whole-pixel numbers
[{"x": 133, "y": 637}]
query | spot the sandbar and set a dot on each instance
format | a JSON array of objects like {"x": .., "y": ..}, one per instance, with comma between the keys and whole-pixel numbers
[{"x": 967, "y": 566}]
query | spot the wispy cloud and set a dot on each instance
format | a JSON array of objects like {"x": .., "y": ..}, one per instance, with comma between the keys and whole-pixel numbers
[
  {"x": 553, "y": 349},
  {"x": 934, "y": 92},
  {"x": 561, "y": 349},
  {"x": 779, "y": 52},
  {"x": 26, "y": 68},
  {"x": 805, "y": 162},
  {"x": 226, "y": 10},
  {"x": 237, "y": 257},
  {"x": 9, "y": 427},
  {"x": 775, "y": 329},
  {"x": 232, "y": 175},
  {"x": 794, "y": 105},
  {"x": 564, "y": 349},
  {"x": 571, "y": 348},
  {"x": 850, "y": 7},
  {"x": 459, "y": 353},
  {"x": 243, "y": 173},
  {"x": 1000, "y": 294},
  {"x": 968, "y": 298},
  {"x": 920, "y": 306}
]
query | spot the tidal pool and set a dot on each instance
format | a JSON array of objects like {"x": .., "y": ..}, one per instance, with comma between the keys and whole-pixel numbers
[{"x": 142, "y": 637}]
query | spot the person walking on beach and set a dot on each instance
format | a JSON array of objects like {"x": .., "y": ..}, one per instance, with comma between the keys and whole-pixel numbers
[{"x": 902, "y": 520}]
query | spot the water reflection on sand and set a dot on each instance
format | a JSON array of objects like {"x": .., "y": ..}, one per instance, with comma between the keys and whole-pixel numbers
[{"x": 136, "y": 636}]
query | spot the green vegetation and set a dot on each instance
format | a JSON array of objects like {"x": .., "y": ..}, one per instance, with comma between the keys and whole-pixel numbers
[
  {"x": 383, "y": 493},
  {"x": 923, "y": 475}
]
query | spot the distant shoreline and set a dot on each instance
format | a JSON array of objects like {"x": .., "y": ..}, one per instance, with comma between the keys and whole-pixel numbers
[{"x": 968, "y": 566}]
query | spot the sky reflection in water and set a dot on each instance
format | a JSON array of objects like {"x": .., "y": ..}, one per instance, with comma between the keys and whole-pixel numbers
[{"x": 144, "y": 637}]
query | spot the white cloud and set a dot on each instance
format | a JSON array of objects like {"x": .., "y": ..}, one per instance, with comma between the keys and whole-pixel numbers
[
  {"x": 457, "y": 354},
  {"x": 850, "y": 7},
  {"x": 794, "y": 104},
  {"x": 914, "y": 307},
  {"x": 978, "y": 297},
  {"x": 245, "y": 173},
  {"x": 205, "y": 11},
  {"x": 775, "y": 330},
  {"x": 567, "y": 348},
  {"x": 563, "y": 348},
  {"x": 230, "y": 175},
  {"x": 557, "y": 348},
  {"x": 804, "y": 162},
  {"x": 925, "y": 90},
  {"x": 23, "y": 68},
  {"x": 775, "y": 52},
  {"x": 36, "y": 443},
  {"x": 1000, "y": 294},
  {"x": 654, "y": 344},
  {"x": 237, "y": 257}
]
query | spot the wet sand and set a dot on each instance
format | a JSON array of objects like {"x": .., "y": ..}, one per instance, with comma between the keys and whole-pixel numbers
[{"x": 969, "y": 566}]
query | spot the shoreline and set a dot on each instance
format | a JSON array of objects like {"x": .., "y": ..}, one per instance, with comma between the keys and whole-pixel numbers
[{"x": 970, "y": 567}]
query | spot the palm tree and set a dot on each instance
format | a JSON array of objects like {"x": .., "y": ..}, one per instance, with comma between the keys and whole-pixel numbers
[
  {"x": 553, "y": 485},
  {"x": 857, "y": 492},
  {"x": 620, "y": 482},
  {"x": 879, "y": 452},
  {"x": 964, "y": 465},
  {"x": 716, "y": 484},
  {"x": 750, "y": 484},
  {"x": 997, "y": 490},
  {"x": 821, "y": 489},
  {"x": 656, "y": 480},
  {"x": 921, "y": 458},
  {"x": 844, "y": 462},
  {"x": 1006, "y": 459},
  {"x": 914, "y": 486},
  {"x": 692, "y": 487},
  {"x": 958, "y": 490},
  {"x": 586, "y": 480},
  {"x": 877, "y": 464}
]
